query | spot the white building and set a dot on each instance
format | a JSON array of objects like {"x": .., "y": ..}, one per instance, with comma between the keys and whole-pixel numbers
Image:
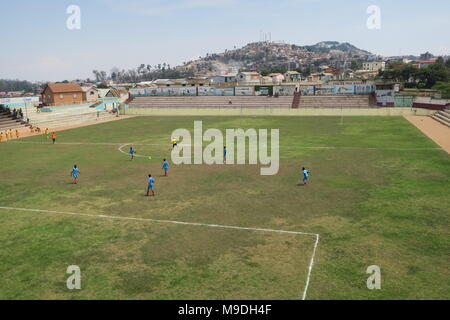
[
  {"x": 248, "y": 77},
  {"x": 277, "y": 77},
  {"x": 374, "y": 66},
  {"x": 224, "y": 78}
]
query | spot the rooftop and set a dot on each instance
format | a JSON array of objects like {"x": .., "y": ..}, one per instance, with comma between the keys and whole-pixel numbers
[{"x": 64, "y": 87}]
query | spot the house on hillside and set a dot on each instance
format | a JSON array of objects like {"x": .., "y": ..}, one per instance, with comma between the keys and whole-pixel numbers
[
  {"x": 62, "y": 94},
  {"x": 314, "y": 77},
  {"x": 224, "y": 78},
  {"x": 374, "y": 66},
  {"x": 163, "y": 82},
  {"x": 293, "y": 76},
  {"x": 90, "y": 94},
  {"x": 248, "y": 77},
  {"x": 197, "y": 81},
  {"x": 425, "y": 63},
  {"x": 276, "y": 77},
  {"x": 266, "y": 80}
]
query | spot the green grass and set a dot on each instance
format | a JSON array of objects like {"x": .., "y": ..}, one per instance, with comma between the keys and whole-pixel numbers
[{"x": 380, "y": 197}]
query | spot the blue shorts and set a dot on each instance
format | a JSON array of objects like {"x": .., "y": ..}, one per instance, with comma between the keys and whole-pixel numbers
[
  {"x": 150, "y": 187},
  {"x": 305, "y": 178},
  {"x": 75, "y": 176}
]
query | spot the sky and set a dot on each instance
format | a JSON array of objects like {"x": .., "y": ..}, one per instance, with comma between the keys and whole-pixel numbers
[{"x": 37, "y": 45}]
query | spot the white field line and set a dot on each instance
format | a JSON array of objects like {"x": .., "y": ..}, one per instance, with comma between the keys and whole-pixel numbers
[
  {"x": 127, "y": 153},
  {"x": 190, "y": 224},
  {"x": 140, "y": 155},
  {"x": 311, "y": 263},
  {"x": 122, "y": 144}
]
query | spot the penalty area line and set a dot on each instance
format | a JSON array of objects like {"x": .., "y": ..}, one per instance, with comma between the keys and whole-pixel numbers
[{"x": 311, "y": 263}]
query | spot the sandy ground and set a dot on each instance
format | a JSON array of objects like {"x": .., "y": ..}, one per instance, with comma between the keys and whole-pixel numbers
[
  {"x": 25, "y": 131},
  {"x": 433, "y": 129}
]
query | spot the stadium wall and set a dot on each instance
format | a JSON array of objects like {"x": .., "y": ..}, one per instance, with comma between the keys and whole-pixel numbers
[
  {"x": 258, "y": 90},
  {"x": 277, "y": 112}
]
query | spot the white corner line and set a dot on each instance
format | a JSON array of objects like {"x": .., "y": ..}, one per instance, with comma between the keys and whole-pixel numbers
[
  {"x": 311, "y": 264},
  {"x": 191, "y": 224}
]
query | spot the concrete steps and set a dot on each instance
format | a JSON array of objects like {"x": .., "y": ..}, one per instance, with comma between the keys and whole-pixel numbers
[
  {"x": 353, "y": 101},
  {"x": 7, "y": 122},
  {"x": 335, "y": 102},
  {"x": 211, "y": 102},
  {"x": 442, "y": 117}
]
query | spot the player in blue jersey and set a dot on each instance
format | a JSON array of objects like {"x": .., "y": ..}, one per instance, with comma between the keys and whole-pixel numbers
[
  {"x": 132, "y": 153},
  {"x": 74, "y": 174},
  {"x": 151, "y": 185},
  {"x": 225, "y": 154},
  {"x": 305, "y": 176},
  {"x": 166, "y": 167}
]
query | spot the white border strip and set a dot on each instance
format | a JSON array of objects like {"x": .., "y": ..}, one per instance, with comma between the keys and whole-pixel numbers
[{"x": 191, "y": 224}]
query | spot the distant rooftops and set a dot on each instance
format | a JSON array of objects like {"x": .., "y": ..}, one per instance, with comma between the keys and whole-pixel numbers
[{"x": 427, "y": 61}]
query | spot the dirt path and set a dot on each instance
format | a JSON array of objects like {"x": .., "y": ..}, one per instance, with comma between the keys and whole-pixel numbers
[
  {"x": 433, "y": 129},
  {"x": 25, "y": 131}
]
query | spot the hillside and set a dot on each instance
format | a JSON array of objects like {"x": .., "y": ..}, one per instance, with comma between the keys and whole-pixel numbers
[{"x": 260, "y": 56}]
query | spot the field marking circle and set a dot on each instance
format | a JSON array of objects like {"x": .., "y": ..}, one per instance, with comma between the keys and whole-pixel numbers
[
  {"x": 143, "y": 156},
  {"x": 128, "y": 154}
]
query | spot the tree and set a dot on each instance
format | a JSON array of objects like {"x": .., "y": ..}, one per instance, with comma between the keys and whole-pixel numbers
[
  {"x": 425, "y": 77},
  {"x": 443, "y": 88},
  {"x": 355, "y": 65},
  {"x": 305, "y": 72},
  {"x": 97, "y": 75},
  {"x": 447, "y": 63},
  {"x": 18, "y": 85}
]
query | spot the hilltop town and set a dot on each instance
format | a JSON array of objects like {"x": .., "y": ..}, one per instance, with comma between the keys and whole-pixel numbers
[{"x": 265, "y": 55}]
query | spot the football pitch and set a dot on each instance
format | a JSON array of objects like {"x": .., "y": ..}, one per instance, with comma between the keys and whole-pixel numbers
[{"x": 379, "y": 195}]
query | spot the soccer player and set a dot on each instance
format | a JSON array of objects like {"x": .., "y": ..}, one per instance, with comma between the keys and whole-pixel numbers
[
  {"x": 132, "y": 153},
  {"x": 46, "y": 132},
  {"x": 225, "y": 154},
  {"x": 10, "y": 134},
  {"x": 74, "y": 174},
  {"x": 17, "y": 134},
  {"x": 166, "y": 167},
  {"x": 1, "y": 136},
  {"x": 305, "y": 176},
  {"x": 151, "y": 185},
  {"x": 174, "y": 143},
  {"x": 53, "y": 136}
]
